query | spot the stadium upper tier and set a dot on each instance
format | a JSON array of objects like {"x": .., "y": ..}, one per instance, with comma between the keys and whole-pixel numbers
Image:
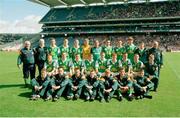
[
  {"x": 73, "y": 3},
  {"x": 112, "y": 12}
]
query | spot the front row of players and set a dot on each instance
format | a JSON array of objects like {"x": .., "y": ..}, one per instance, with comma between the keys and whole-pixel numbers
[{"x": 102, "y": 82}]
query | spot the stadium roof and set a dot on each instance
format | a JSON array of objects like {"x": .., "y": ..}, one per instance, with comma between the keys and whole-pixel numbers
[{"x": 67, "y": 3}]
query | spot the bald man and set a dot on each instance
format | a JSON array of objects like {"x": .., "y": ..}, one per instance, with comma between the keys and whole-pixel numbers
[{"x": 26, "y": 57}]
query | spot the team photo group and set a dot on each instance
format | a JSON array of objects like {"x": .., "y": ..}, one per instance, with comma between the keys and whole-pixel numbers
[{"x": 91, "y": 72}]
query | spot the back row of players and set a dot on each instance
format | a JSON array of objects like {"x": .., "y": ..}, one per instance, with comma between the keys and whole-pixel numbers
[{"x": 91, "y": 71}]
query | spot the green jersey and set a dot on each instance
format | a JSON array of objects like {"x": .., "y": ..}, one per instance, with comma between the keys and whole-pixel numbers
[
  {"x": 75, "y": 51},
  {"x": 126, "y": 64},
  {"x": 64, "y": 50},
  {"x": 108, "y": 52},
  {"x": 102, "y": 65},
  {"x": 90, "y": 65},
  {"x": 54, "y": 51},
  {"x": 136, "y": 66},
  {"x": 119, "y": 51},
  {"x": 50, "y": 66},
  {"x": 78, "y": 64},
  {"x": 65, "y": 64},
  {"x": 130, "y": 49},
  {"x": 96, "y": 52},
  {"x": 114, "y": 66}
]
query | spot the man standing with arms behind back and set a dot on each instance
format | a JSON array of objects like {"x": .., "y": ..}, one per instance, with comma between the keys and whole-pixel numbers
[{"x": 40, "y": 55}]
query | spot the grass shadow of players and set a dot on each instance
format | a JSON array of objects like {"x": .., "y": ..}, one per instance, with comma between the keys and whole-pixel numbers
[
  {"x": 11, "y": 85},
  {"x": 25, "y": 94}
]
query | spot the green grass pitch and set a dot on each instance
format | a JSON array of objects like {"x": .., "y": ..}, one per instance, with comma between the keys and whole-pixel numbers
[{"x": 14, "y": 98}]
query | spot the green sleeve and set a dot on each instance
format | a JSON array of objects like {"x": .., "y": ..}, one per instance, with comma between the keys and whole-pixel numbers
[
  {"x": 130, "y": 83},
  {"x": 34, "y": 82},
  {"x": 115, "y": 85},
  {"x": 19, "y": 60},
  {"x": 52, "y": 82},
  {"x": 149, "y": 84},
  {"x": 96, "y": 83},
  {"x": 64, "y": 82},
  {"x": 81, "y": 84}
]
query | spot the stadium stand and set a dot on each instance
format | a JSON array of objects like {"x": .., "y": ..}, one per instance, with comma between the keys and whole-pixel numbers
[
  {"x": 144, "y": 21},
  {"x": 13, "y": 42},
  {"x": 152, "y": 17},
  {"x": 120, "y": 11}
]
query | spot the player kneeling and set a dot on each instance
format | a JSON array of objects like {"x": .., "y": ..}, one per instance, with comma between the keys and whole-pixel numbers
[
  {"x": 58, "y": 84},
  {"x": 91, "y": 85},
  {"x": 107, "y": 86},
  {"x": 50, "y": 66},
  {"x": 151, "y": 69},
  {"x": 142, "y": 85},
  {"x": 40, "y": 85},
  {"x": 124, "y": 85},
  {"x": 76, "y": 83}
]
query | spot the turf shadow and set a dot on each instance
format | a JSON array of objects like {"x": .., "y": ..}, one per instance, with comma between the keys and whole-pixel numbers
[
  {"x": 11, "y": 85},
  {"x": 25, "y": 94}
]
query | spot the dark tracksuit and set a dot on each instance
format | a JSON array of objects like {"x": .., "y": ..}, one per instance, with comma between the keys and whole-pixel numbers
[
  {"x": 107, "y": 83},
  {"x": 122, "y": 82},
  {"x": 58, "y": 80},
  {"x": 142, "y": 54},
  {"x": 91, "y": 82},
  {"x": 40, "y": 57},
  {"x": 158, "y": 57},
  {"x": 39, "y": 82},
  {"x": 142, "y": 82},
  {"x": 75, "y": 81},
  {"x": 27, "y": 58},
  {"x": 152, "y": 70}
]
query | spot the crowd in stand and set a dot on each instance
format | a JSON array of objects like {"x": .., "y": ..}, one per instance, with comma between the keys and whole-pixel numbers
[
  {"x": 167, "y": 41},
  {"x": 161, "y": 9}
]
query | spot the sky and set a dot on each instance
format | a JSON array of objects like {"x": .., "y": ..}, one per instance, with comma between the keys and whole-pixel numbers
[{"x": 20, "y": 16}]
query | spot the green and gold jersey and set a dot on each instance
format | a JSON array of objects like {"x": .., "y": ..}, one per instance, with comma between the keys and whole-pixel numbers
[
  {"x": 126, "y": 64},
  {"x": 130, "y": 49},
  {"x": 75, "y": 51},
  {"x": 96, "y": 52},
  {"x": 65, "y": 64},
  {"x": 119, "y": 51},
  {"x": 54, "y": 51},
  {"x": 90, "y": 65},
  {"x": 102, "y": 65},
  {"x": 114, "y": 66},
  {"x": 136, "y": 66},
  {"x": 108, "y": 52}
]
